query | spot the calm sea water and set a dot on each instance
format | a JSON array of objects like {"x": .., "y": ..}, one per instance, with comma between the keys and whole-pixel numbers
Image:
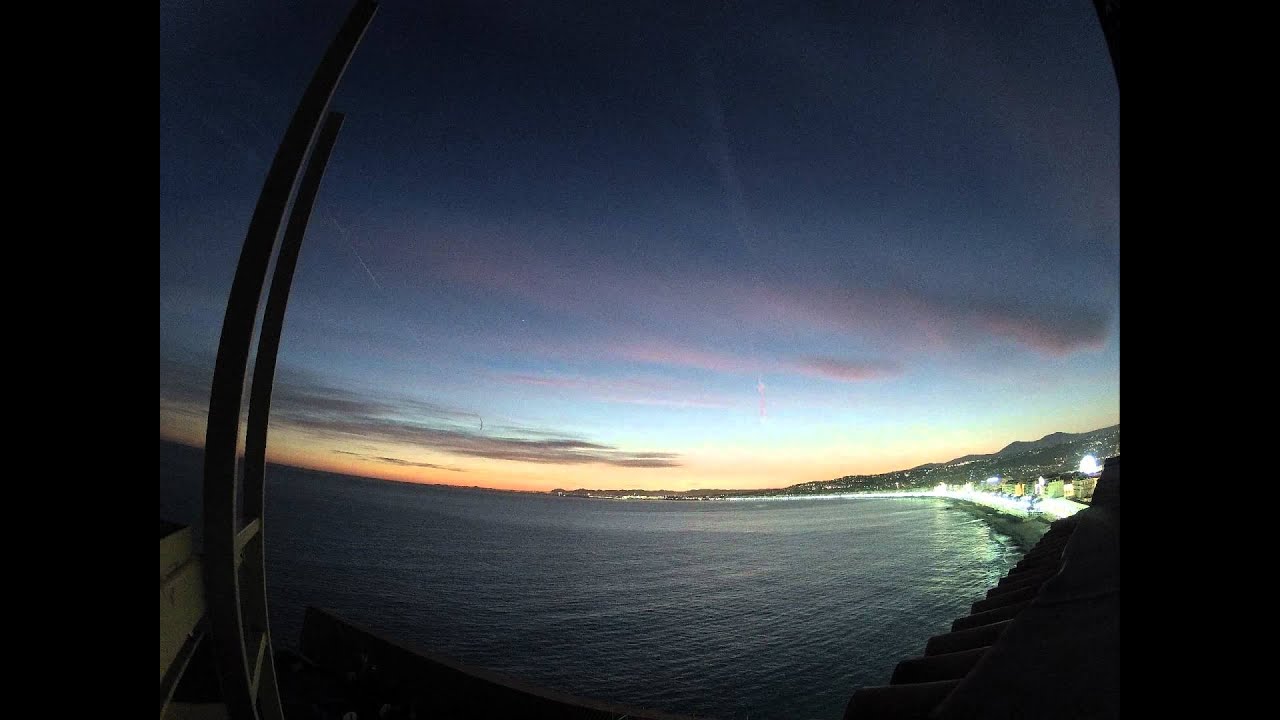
[{"x": 733, "y": 609}]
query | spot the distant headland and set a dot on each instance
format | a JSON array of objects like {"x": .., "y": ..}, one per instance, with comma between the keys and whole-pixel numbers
[{"x": 1054, "y": 457}]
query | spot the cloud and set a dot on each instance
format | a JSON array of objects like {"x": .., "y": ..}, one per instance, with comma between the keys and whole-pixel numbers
[
  {"x": 673, "y": 354},
  {"x": 630, "y": 391},
  {"x": 670, "y": 303},
  {"x": 692, "y": 402},
  {"x": 1060, "y": 330},
  {"x": 910, "y": 320},
  {"x": 398, "y": 461},
  {"x": 470, "y": 443},
  {"x": 585, "y": 383},
  {"x": 300, "y": 399},
  {"x": 307, "y": 405},
  {"x": 846, "y": 370},
  {"x": 639, "y": 348},
  {"x": 338, "y": 414},
  {"x": 184, "y": 383}
]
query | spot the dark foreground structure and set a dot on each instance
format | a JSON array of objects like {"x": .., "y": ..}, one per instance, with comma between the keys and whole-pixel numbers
[{"x": 1044, "y": 643}]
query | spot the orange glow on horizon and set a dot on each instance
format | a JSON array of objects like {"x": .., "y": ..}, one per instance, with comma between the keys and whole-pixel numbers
[
  {"x": 705, "y": 472},
  {"x": 727, "y": 467}
]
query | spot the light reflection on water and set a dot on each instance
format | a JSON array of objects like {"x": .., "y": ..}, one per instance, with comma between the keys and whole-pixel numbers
[{"x": 724, "y": 609}]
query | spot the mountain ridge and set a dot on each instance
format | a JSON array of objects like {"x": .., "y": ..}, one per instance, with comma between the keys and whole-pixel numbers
[
  {"x": 1020, "y": 460},
  {"x": 1057, "y": 454},
  {"x": 1021, "y": 446}
]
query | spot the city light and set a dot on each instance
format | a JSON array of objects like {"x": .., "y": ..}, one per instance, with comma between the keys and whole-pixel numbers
[{"x": 1089, "y": 465}]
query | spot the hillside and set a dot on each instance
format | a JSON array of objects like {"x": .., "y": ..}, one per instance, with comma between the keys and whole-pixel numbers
[{"x": 1054, "y": 454}]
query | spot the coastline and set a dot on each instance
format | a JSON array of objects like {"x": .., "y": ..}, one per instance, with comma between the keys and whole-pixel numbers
[
  {"x": 1004, "y": 516},
  {"x": 1024, "y": 531}
]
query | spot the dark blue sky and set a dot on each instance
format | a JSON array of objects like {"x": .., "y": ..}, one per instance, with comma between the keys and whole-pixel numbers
[{"x": 607, "y": 227}]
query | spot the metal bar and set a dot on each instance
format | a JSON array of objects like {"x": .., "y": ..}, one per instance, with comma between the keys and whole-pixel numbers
[
  {"x": 1109, "y": 16},
  {"x": 254, "y": 588},
  {"x": 262, "y": 658},
  {"x": 227, "y": 392},
  {"x": 262, "y": 677},
  {"x": 170, "y": 680},
  {"x": 264, "y": 369},
  {"x": 249, "y": 532}
]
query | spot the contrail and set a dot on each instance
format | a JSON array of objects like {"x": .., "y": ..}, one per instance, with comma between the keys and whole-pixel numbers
[
  {"x": 382, "y": 292},
  {"x": 366, "y": 268},
  {"x": 722, "y": 156},
  {"x": 403, "y": 317},
  {"x": 359, "y": 259},
  {"x": 735, "y": 196}
]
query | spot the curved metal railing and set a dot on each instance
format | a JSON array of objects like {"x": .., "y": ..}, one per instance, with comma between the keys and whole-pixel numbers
[{"x": 234, "y": 578}]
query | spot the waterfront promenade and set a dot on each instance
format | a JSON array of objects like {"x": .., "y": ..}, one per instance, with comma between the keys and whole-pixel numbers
[{"x": 1052, "y": 622}]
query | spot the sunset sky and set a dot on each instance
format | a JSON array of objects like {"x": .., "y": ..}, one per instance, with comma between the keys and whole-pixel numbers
[{"x": 643, "y": 245}]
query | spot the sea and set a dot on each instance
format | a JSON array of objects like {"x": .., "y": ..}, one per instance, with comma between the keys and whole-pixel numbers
[{"x": 734, "y": 609}]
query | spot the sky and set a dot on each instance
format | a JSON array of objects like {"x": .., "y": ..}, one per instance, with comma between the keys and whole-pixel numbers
[{"x": 656, "y": 245}]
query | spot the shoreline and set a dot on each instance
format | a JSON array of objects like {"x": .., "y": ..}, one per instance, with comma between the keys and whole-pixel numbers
[{"x": 1024, "y": 531}]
